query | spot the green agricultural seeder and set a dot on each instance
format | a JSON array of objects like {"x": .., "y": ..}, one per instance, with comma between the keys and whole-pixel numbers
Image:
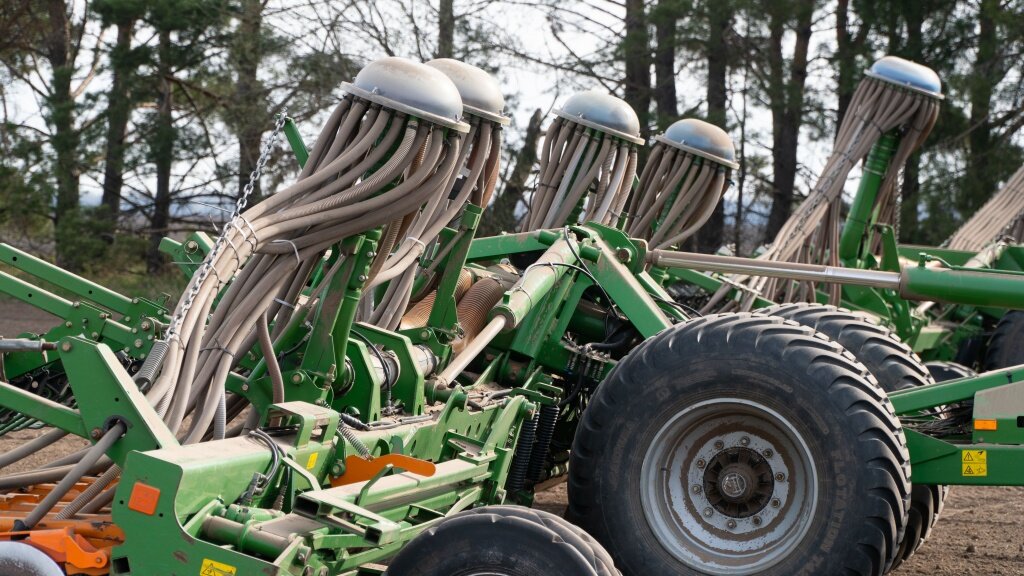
[{"x": 353, "y": 380}]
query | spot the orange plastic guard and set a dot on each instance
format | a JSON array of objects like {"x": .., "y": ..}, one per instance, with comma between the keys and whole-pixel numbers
[
  {"x": 72, "y": 550},
  {"x": 359, "y": 469}
]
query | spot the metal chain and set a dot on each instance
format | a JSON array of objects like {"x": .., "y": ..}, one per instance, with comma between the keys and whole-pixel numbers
[{"x": 207, "y": 266}]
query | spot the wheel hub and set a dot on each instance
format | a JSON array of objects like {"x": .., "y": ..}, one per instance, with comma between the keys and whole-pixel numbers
[
  {"x": 739, "y": 482},
  {"x": 729, "y": 487}
]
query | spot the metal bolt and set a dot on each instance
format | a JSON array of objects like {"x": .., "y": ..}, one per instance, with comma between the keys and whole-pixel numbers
[
  {"x": 35, "y": 384},
  {"x": 191, "y": 246},
  {"x": 731, "y": 524},
  {"x": 756, "y": 520},
  {"x": 68, "y": 324},
  {"x": 95, "y": 335},
  {"x": 296, "y": 378},
  {"x": 95, "y": 433},
  {"x": 623, "y": 255},
  {"x": 245, "y": 387},
  {"x": 138, "y": 342},
  {"x": 768, "y": 453},
  {"x": 362, "y": 278},
  {"x": 780, "y": 477},
  {"x": 135, "y": 330},
  {"x": 696, "y": 489},
  {"x": 370, "y": 253},
  {"x": 744, "y": 441},
  {"x": 65, "y": 347},
  {"x": 701, "y": 463},
  {"x": 145, "y": 325},
  {"x": 776, "y": 503},
  {"x": 301, "y": 556},
  {"x": 708, "y": 512},
  {"x": 719, "y": 444}
]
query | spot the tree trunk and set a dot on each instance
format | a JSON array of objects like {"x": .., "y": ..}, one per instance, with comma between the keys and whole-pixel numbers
[
  {"x": 636, "y": 55},
  {"x": 908, "y": 217},
  {"x": 119, "y": 111},
  {"x": 786, "y": 103},
  {"x": 162, "y": 150},
  {"x": 720, "y": 14},
  {"x": 980, "y": 180},
  {"x": 501, "y": 215},
  {"x": 249, "y": 94},
  {"x": 60, "y": 110},
  {"x": 665, "y": 98},
  {"x": 446, "y": 29}
]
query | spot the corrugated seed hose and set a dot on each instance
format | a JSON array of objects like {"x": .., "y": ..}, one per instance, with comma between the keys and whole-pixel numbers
[
  {"x": 811, "y": 235},
  {"x": 1002, "y": 217},
  {"x": 578, "y": 162},
  {"x": 676, "y": 195}
]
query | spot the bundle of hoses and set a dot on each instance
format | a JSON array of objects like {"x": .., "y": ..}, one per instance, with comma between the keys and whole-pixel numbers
[
  {"x": 1002, "y": 217},
  {"x": 480, "y": 157},
  {"x": 588, "y": 162},
  {"x": 889, "y": 99},
  {"x": 684, "y": 178},
  {"x": 374, "y": 162}
]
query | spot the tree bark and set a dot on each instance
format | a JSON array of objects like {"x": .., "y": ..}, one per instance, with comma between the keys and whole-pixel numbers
[
  {"x": 249, "y": 94},
  {"x": 119, "y": 111},
  {"x": 786, "y": 94},
  {"x": 720, "y": 15},
  {"x": 636, "y": 51},
  {"x": 908, "y": 217},
  {"x": 980, "y": 180},
  {"x": 446, "y": 29},
  {"x": 665, "y": 97},
  {"x": 501, "y": 215},
  {"x": 60, "y": 107},
  {"x": 162, "y": 150}
]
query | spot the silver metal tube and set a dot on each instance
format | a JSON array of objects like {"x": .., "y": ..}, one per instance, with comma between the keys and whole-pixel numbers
[
  {"x": 475, "y": 346},
  {"x": 788, "y": 270}
]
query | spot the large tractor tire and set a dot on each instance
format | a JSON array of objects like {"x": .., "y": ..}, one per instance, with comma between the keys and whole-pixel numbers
[
  {"x": 502, "y": 541},
  {"x": 942, "y": 371},
  {"x": 1006, "y": 346},
  {"x": 896, "y": 367},
  {"x": 741, "y": 444}
]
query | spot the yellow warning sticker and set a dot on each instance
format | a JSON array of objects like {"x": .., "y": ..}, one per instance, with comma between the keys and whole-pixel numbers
[
  {"x": 974, "y": 463},
  {"x": 214, "y": 568},
  {"x": 312, "y": 461}
]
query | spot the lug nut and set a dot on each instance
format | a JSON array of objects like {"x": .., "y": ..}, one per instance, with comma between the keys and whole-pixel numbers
[
  {"x": 708, "y": 512},
  {"x": 768, "y": 453},
  {"x": 776, "y": 503},
  {"x": 696, "y": 489},
  {"x": 719, "y": 444},
  {"x": 731, "y": 524},
  {"x": 756, "y": 520},
  {"x": 744, "y": 441},
  {"x": 701, "y": 463},
  {"x": 780, "y": 477}
]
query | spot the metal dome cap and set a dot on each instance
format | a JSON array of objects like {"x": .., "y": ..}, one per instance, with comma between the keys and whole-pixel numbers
[
  {"x": 410, "y": 87},
  {"x": 602, "y": 112},
  {"x": 481, "y": 95},
  {"x": 701, "y": 138},
  {"x": 907, "y": 74}
]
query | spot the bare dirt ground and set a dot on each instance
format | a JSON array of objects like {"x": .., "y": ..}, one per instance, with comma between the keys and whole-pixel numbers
[{"x": 981, "y": 531}]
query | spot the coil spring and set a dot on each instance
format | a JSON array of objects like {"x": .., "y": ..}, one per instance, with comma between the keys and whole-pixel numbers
[
  {"x": 521, "y": 460},
  {"x": 545, "y": 432}
]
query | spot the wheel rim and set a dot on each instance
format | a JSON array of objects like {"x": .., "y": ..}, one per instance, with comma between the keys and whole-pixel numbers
[{"x": 728, "y": 485}]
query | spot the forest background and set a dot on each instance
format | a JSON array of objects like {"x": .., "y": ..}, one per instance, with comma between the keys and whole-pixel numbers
[{"x": 126, "y": 120}]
